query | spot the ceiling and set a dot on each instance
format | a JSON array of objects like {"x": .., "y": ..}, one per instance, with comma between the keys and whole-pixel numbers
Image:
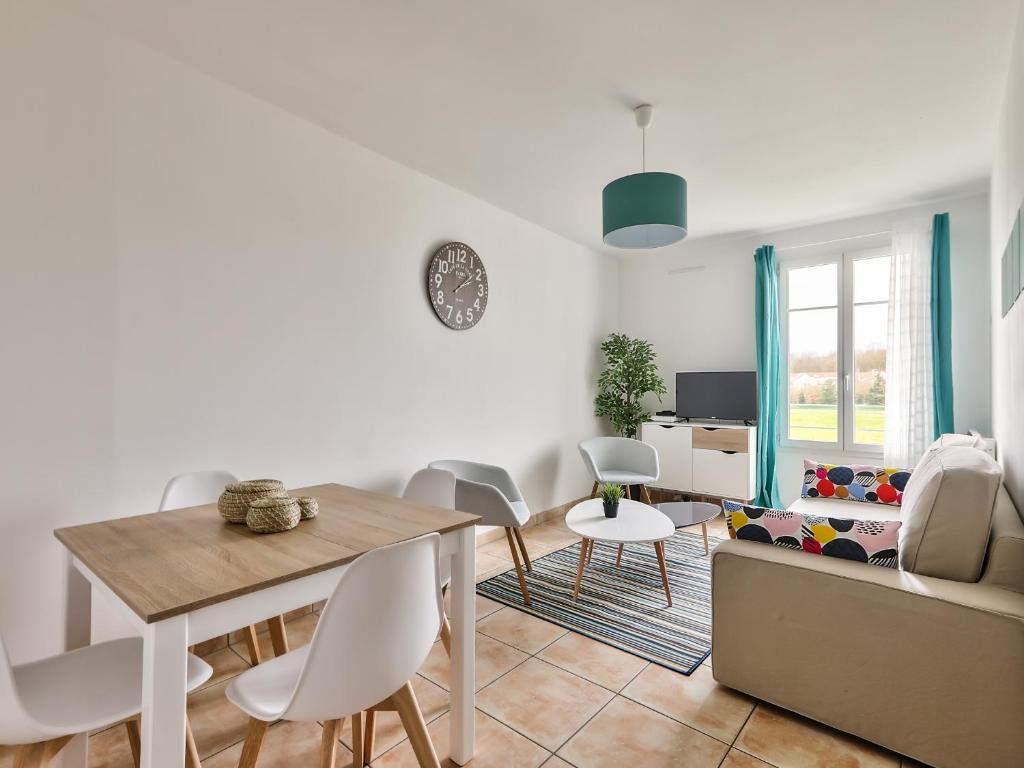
[{"x": 777, "y": 113}]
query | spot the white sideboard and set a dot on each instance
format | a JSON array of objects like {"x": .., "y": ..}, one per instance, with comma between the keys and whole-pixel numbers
[{"x": 705, "y": 457}]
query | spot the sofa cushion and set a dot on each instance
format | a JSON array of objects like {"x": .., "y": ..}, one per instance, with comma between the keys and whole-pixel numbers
[
  {"x": 867, "y": 541},
  {"x": 837, "y": 508},
  {"x": 950, "y": 440},
  {"x": 947, "y": 514},
  {"x": 854, "y": 482}
]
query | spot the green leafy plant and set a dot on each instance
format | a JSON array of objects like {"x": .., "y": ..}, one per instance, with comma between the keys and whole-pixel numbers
[
  {"x": 611, "y": 493},
  {"x": 630, "y": 372}
]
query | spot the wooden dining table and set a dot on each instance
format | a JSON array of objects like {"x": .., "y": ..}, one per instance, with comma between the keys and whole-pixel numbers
[{"x": 186, "y": 575}]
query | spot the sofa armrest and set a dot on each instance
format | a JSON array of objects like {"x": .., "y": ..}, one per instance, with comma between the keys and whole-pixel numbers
[{"x": 930, "y": 668}]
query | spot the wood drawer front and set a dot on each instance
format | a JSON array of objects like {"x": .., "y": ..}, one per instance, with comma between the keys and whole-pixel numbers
[{"x": 721, "y": 439}]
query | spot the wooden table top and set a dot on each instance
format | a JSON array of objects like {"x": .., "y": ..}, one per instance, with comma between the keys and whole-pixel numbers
[{"x": 168, "y": 563}]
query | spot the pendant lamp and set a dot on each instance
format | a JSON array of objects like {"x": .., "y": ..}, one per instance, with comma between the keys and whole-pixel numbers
[{"x": 646, "y": 209}]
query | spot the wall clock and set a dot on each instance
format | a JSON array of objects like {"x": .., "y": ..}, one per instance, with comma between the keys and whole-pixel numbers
[{"x": 457, "y": 286}]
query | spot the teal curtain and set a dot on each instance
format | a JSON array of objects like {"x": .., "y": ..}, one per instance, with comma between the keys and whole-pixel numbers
[
  {"x": 766, "y": 308},
  {"x": 942, "y": 310}
]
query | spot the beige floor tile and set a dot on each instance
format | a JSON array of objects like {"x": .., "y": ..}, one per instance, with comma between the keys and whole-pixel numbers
[
  {"x": 226, "y": 664},
  {"x": 625, "y": 733},
  {"x": 696, "y": 700},
  {"x": 286, "y": 745},
  {"x": 737, "y": 759},
  {"x": 788, "y": 740},
  {"x": 484, "y": 605},
  {"x": 433, "y": 701},
  {"x": 488, "y": 565},
  {"x": 543, "y": 702},
  {"x": 545, "y": 538},
  {"x": 6, "y": 757},
  {"x": 497, "y": 746},
  {"x": 109, "y": 749},
  {"x": 597, "y": 662},
  {"x": 493, "y": 659},
  {"x": 556, "y": 762},
  {"x": 497, "y": 548},
  {"x": 216, "y": 722},
  {"x": 520, "y": 630}
]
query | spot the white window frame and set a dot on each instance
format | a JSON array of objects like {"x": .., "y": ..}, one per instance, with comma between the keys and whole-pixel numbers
[{"x": 846, "y": 364}]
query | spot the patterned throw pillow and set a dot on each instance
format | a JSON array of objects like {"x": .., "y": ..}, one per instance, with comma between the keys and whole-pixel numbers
[
  {"x": 857, "y": 482},
  {"x": 868, "y": 541}
]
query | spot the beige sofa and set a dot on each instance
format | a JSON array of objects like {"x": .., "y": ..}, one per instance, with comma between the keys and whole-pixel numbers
[{"x": 927, "y": 660}]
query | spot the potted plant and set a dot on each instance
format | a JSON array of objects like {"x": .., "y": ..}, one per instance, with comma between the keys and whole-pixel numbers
[
  {"x": 611, "y": 495},
  {"x": 630, "y": 372}
]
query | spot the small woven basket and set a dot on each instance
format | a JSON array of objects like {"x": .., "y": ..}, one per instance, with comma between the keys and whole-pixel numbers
[
  {"x": 233, "y": 504},
  {"x": 308, "y": 507},
  {"x": 273, "y": 515}
]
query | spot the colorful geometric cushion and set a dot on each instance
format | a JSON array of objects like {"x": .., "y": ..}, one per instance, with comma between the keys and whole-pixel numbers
[
  {"x": 857, "y": 482},
  {"x": 874, "y": 542}
]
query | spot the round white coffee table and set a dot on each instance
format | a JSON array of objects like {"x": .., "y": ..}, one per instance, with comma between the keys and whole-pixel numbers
[
  {"x": 684, "y": 513},
  {"x": 636, "y": 524}
]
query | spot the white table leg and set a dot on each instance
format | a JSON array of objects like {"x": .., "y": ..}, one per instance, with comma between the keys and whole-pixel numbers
[
  {"x": 164, "y": 662},
  {"x": 463, "y": 673},
  {"x": 77, "y": 634}
]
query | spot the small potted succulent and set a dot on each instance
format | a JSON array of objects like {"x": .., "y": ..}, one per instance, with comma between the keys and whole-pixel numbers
[{"x": 611, "y": 495}]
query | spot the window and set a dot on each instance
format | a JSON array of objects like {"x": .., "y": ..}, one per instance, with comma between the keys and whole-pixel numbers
[{"x": 834, "y": 327}]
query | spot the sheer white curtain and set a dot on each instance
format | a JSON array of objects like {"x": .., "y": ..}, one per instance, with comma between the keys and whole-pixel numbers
[{"x": 909, "y": 397}]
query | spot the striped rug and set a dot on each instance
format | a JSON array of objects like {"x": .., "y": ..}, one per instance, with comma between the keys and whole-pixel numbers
[{"x": 624, "y": 606}]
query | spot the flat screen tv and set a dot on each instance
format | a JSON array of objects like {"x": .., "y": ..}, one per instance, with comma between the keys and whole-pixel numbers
[{"x": 728, "y": 395}]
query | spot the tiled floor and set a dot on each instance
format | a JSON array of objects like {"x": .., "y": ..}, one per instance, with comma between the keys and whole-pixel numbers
[{"x": 545, "y": 697}]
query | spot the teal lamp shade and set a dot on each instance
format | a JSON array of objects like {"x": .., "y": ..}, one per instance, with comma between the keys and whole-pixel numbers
[{"x": 645, "y": 210}]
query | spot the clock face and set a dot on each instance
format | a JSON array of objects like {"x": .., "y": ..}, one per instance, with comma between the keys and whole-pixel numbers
[{"x": 457, "y": 286}]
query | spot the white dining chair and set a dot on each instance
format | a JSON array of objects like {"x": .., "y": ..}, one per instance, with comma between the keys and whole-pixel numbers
[
  {"x": 373, "y": 635},
  {"x": 622, "y": 461},
  {"x": 47, "y": 703},
  {"x": 491, "y": 493},
  {"x": 437, "y": 488},
  {"x": 192, "y": 489}
]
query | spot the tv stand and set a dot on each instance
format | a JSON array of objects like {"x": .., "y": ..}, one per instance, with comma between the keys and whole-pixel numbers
[{"x": 710, "y": 458}]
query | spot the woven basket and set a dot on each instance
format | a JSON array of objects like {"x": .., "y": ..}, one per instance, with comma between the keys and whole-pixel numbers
[
  {"x": 273, "y": 515},
  {"x": 308, "y": 507},
  {"x": 233, "y": 504}
]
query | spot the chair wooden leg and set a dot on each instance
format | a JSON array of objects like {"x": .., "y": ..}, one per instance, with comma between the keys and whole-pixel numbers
[
  {"x": 134, "y": 740},
  {"x": 618, "y": 557},
  {"x": 519, "y": 567},
  {"x": 191, "y": 751},
  {"x": 590, "y": 551},
  {"x": 593, "y": 492},
  {"x": 253, "y": 742},
  {"x": 629, "y": 492},
  {"x": 278, "y": 635},
  {"x": 584, "y": 545},
  {"x": 39, "y": 755},
  {"x": 446, "y": 635},
  {"x": 328, "y": 743},
  {"x": 659, "y": 548},
  {"x": 522, "y": 548},
  {"x": 704, "y": 528},
  {"x": 371, "y": 736},
  {"x": 646, "y": 494},
  {"x": 253, "y": 644},
  {"x": 412, "y": 719},
  {"x": 358, "y": 758}
]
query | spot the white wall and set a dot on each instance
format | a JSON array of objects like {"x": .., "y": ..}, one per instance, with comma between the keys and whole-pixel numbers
[
  {"x": 1008, "y": 333},
  {"x": 195, "y": 279},
  {"x": 704, "y": 319}
]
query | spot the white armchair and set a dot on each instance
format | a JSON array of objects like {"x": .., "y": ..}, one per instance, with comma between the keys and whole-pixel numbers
[
  {"x": 620, "y": 460},
  {"x": 491, "y": 493}
]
